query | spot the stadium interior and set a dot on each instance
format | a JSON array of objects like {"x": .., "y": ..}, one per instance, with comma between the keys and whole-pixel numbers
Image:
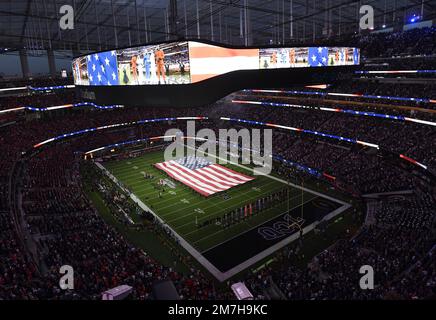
[{"x": 92, "y": 208}]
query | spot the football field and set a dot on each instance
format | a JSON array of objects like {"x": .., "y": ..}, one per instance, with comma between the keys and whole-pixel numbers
[{"x": 184, "y": 210}]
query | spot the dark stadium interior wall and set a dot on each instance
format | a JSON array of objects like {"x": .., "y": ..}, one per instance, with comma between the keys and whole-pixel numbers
[
  {"x": 10, "y": 65},
  {"x": 63, "y": 63},
  {"x": 38, "y": 65}
]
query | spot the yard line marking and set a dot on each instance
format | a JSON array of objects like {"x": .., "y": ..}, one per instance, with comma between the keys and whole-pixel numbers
[
  {"x": 278, "y": 179},
  {"x": 222, "y": 276},
  {"x": 190, "y": 194},
  {"x": 181, "y": 195},
  {"x": 297, "y": 196},
  {"x": 215, "y": 233},
  {"x": 215, "y": 214},
  {"x": 208, "y": 207}
]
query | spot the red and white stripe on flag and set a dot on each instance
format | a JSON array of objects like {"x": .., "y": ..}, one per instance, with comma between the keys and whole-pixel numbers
[
  {"x": 207, "y": 180},
  {"x": 207, "y": 61}
]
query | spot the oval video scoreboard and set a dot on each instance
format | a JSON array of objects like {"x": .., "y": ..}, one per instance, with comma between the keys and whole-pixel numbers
[{"x": 203, "y": 70}]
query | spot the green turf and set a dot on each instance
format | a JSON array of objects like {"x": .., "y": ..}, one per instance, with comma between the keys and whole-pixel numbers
[{"x": 181, "y": 207}]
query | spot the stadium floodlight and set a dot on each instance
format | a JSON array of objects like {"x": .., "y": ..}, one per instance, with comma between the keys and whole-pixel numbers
[{"x": 414, "y": 18}]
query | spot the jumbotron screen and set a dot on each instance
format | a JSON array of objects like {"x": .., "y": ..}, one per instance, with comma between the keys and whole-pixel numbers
[{"x": 191, "y": 61}]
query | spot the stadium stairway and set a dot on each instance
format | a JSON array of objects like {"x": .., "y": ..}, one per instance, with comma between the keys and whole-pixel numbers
[{"x": 272, "y": 292}]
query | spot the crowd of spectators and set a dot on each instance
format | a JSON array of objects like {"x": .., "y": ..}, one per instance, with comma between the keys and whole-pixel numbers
[
  {"x": 386, "y": 247},
  {"x": 419, "y": 41},
  {"x": 17, "y": 272},
  {"x": 65, "y": 225},
  {"x": 358, "y": 87},
  {"x": 36, "y": 82},
  {"x": 38, "y": 100},
  {"x": 411, "y": 139},
  {"x": 67, "y": 229},
  {"x": 413, "y": 42}
]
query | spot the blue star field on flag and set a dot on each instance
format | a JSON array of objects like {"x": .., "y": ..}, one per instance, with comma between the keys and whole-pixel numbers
[
  {"x": 193, "y": 163},
  {"x": 318, "y": 56},
  {"x": 102, "y": 68}
]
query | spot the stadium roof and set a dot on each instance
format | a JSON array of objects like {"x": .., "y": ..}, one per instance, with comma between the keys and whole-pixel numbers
[{"x": 105, "y": 24}]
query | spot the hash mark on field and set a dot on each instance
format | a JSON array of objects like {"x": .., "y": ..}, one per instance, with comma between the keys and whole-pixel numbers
[
  {"x": 246, "y": 222},
  {"x": 198, "y": 210},
  {"x": 215, "y": 214},
  {"x": 257, "y": 189},
  {"x": 184, "y": 200},
  {"x": 174, "y": 212}
]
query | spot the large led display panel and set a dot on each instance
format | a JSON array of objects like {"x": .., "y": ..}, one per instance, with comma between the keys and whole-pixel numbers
[
  {"x": 80, "y": 71},
  {"x": 192, "y": 61},
  {"x": 166, "y": 63},
  {"x": 208, "y": 61}
]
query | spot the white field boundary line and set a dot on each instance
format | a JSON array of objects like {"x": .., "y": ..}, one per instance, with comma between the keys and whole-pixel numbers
[
  {"x": 152, "y": 191},
  {"x": 181, "y": 196},
  {"x": 240, "y": 202},
  {"x": 215, "y": 215},
  {"x": 258, "y": 257},
  {"x": 129, "y": 174},
  {"x": 191, "y": 214},
  {"x": 271, "y": 208},
  {"x": 188, "y": 247},
  {"x": 278, "y": 179},
  {"x": 222, "y": 276},
  {"x": 254, "y": 227},
  {"x": 173, "y": 199}
]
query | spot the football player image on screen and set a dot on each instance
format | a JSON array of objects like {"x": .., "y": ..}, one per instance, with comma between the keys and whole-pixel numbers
[
  {"x": 140, "y": 65},
  {"x": 147, "y": 66},
  {"x": 153, "y": 72},
  {"x": 160, "y": 63},
  {"x": 80, "y": 71},
  {"x": 273, "y": 60},
  {"x": 167, "y": 69},
  {"x": 292, "y": 57},
  {"x": 182, "y": 68},
  {"x": 283, "y": 61},
  {"x": 125, "y": 77},
  {"x": 76, "y": 71},
  {"x": 134, "y": 69}
]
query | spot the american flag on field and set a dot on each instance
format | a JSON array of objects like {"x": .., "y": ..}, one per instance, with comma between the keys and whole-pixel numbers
[
  {"x": 102, "y": 68},
  {"x": 202, "y": 175},
  {"x": 318, "y": 56}
]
